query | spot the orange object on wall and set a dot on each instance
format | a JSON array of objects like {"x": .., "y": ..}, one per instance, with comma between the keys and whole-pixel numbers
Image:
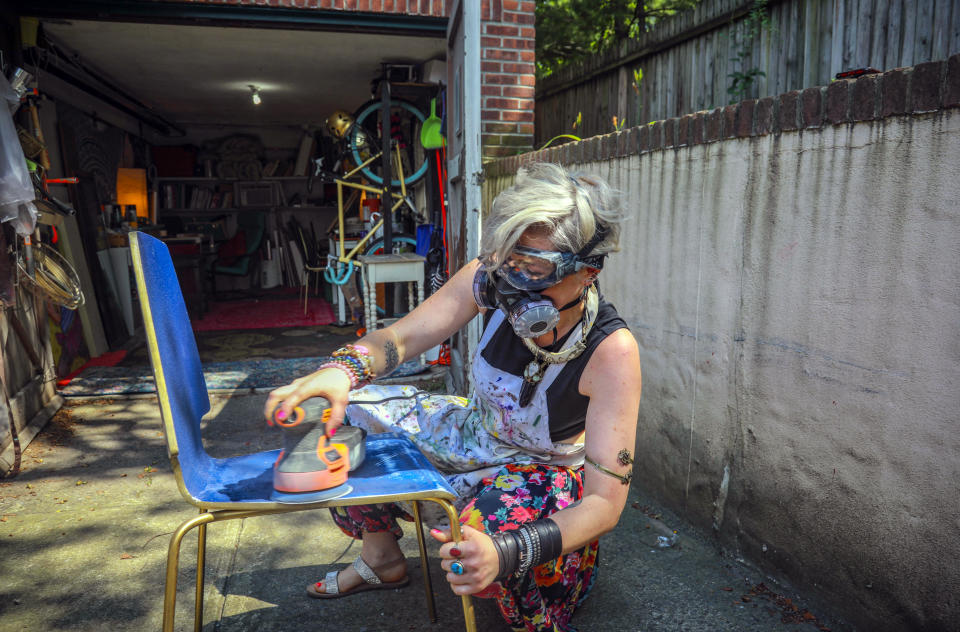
[{"x": 132, "y": 189}]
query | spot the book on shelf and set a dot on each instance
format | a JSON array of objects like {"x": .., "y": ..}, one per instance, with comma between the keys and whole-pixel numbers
[
  {"x": 200, "y": 197},
  {"x": 169, "y": 199}
]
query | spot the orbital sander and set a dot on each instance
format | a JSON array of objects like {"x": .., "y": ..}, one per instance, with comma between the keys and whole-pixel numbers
[{"x": 312, "y": 465}]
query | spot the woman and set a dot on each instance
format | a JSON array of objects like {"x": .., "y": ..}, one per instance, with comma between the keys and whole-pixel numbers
[{"x": 557, "y": 385}]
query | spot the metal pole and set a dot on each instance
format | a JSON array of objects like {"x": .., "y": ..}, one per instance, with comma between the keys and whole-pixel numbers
[
  {"x": 386, "y": 138},
  {"x": 386, "y": 160}
]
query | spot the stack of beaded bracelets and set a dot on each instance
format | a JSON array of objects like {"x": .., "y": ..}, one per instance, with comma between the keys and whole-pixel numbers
[
  {"x": 529, "y": 545},
  {"x": 355, "y": 361}
]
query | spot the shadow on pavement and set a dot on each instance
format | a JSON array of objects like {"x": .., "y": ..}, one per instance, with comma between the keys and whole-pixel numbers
[{"x": 84, "y": 531}]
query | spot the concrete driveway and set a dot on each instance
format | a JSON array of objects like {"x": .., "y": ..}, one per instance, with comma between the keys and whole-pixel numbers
[{"x": 85, "y": 526}]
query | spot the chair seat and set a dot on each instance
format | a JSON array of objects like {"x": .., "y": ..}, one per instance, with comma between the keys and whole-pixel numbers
[
  {"x": 393, "y": 468},
  {"x": 240, "y": 268}
]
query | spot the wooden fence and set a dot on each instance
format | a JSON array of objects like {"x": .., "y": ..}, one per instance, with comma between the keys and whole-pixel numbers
[{"x": 687, "y": 61}]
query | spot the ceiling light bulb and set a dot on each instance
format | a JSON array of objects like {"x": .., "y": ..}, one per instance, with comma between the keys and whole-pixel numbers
[{"x": 256, "y": 95}]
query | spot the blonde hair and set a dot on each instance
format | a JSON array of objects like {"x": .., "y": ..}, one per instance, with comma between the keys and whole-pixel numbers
[{"x": 567, "y": 207}]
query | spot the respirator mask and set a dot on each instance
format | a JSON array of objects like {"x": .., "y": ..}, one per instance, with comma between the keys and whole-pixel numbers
[{"x": 515, "y": 285}]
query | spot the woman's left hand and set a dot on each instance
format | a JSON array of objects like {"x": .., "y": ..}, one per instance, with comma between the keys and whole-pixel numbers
[{"x": 477, "y": 556}]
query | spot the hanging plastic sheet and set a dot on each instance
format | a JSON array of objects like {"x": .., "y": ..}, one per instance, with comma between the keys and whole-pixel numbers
[{"x": 16, "y": 188}]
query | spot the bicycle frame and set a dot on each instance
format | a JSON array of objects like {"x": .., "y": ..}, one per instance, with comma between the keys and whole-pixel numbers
[{"x": 343, "y": 182}]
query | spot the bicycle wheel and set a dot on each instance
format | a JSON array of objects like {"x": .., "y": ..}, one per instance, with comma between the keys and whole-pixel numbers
[
  {"x": 365, "y": 140},
  {"x": 401, "y": 243}
]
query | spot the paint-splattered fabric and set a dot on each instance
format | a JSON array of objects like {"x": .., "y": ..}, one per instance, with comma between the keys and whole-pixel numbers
[
  {"x": 543, "y": 599},
  {"x": 470, "y": 439},
  {"x": 505, "y": 468}
]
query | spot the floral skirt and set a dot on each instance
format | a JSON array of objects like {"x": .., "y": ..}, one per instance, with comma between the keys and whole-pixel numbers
[{"x": 543, "y": 599}]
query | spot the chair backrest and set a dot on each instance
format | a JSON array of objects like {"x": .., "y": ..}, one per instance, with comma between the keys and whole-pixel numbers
[
  {"x": 254, "y": 224},
  {"x": 181, "y": 389}
]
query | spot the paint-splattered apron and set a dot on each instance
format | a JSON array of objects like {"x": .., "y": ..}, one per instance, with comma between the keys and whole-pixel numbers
[{"x": 470, "y": 439}]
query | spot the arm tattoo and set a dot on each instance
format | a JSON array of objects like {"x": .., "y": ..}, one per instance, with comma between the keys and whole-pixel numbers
[{"x": 392, "y": 358}]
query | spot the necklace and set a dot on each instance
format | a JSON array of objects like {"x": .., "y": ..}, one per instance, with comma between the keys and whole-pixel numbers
[{"x": 533, "y": 372}]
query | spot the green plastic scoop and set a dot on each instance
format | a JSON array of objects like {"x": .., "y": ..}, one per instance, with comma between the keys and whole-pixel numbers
[{"x": 430, "y": 136}]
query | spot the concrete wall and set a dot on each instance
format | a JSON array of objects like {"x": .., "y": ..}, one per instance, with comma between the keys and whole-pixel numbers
[{"x": 795, "y": 296}]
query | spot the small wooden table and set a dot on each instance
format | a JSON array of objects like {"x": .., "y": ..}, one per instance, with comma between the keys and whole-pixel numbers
[{"x": 405, "y": 267}]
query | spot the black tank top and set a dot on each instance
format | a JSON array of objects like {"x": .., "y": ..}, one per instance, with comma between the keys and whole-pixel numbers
[{"x": 567, "y": 408}]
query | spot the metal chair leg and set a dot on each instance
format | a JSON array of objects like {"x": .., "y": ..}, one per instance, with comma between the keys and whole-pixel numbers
[
  {"x": 305, "y": 288},
  {"x": 201, "y": 562},
  {"x": 173, "y": 562},
  {"x": 468, "y": 614},
  {"x": 427, "y": 581}
]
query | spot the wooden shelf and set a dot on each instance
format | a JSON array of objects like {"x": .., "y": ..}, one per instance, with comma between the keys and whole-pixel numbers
[
  {"x": 213, "y": 211},
  {"x": 201, "y": 179},
  {"x": 310, "y": 208},
  {"x": 199, "y": 211}
]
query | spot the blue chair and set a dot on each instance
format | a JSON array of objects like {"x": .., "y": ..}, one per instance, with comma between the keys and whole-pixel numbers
[{"x": 241, "y": 487}]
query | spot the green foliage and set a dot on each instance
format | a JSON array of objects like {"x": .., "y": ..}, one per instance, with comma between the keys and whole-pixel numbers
[
  {"x": 637, "y": 78},
  {"x": 561, "y": 137},
  {"x": 741, "y": 82},
  {"x": 570, "y": 30},
  {"x": 757, "y": 21}
]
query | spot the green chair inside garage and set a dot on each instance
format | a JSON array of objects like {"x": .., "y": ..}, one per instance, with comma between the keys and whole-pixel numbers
[{"x": 238, "y": 256}]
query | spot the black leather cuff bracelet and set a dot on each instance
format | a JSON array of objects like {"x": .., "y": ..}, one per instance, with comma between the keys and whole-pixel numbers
[
  {"x": 551, "y": 540},
  {"x": 531, "y": 545},
  {"x": 508, "y": 551}
]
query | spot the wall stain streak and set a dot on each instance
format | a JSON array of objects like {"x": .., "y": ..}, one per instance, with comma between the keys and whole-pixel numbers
[{"x": 806, "y": 351}]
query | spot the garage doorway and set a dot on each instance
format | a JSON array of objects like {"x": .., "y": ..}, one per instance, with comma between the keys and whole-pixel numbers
[{"x": 170, "y": 89}]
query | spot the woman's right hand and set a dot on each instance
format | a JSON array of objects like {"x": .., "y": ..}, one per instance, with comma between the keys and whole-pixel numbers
[{"x": 331, "y": 383}]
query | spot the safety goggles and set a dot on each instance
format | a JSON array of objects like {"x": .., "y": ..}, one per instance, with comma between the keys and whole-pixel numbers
[{"x": 533, "y": 269}]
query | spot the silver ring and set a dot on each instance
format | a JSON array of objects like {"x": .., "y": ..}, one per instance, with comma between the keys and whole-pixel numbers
[{"x": 457, "y": 568}]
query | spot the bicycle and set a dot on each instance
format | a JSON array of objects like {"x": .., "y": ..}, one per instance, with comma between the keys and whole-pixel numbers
[
  {"x": 356, "y": 146},
  {"x": 360, "y": 144},
  {"x": 340, "y": 275}
]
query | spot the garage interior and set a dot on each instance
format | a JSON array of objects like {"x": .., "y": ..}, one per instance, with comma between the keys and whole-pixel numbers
[{"x": 224, "y": 132}]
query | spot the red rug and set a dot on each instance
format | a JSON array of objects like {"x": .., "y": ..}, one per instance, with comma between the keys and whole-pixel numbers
[
  {"x": 111, "y": 358},
  {"x": 264, "y": 314}
]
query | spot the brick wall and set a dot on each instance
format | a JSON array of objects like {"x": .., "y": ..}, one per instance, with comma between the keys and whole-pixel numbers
[
  {"x": 508, "y": 41},
  {"x": 926, "y": 87},
  {"x": 435, "y": 8}
]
